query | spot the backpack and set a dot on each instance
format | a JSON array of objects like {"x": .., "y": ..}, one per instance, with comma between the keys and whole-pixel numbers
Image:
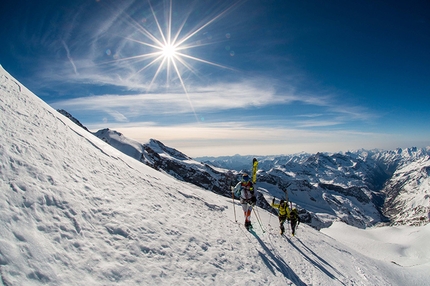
[{"x": 294, "y": 214}]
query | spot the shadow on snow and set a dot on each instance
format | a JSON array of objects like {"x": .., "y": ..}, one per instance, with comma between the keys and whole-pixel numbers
[
  {"x": 272, "y": 261},
  {"x": 314, "y": 262}
]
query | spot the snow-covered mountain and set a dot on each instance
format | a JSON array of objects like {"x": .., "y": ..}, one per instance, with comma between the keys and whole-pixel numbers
[
  {"x": 73, "y": 119},
  {"x": 355, "y": 187},
  {"x": 361, "y": 188},
  {"x": 76, "y": 211},
  {"x": 171, "y": 161},
  {"x": 408, "y": 193}
]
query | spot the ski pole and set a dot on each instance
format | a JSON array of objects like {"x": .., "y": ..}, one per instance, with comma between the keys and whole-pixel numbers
[
  {"x": 270, "y": 217},
  {"x": 257, "y": 215},
  {"x": 234, "y": 207}
]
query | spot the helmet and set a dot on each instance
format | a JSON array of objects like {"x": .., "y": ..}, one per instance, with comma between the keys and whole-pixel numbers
[{"x": 245, "y": 177}]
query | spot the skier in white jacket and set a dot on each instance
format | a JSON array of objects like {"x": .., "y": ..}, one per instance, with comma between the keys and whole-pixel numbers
[{"x": 247, "y": 197}]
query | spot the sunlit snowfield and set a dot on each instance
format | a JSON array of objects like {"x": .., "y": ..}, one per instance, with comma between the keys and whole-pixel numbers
[{"x": 75, "y": 211}]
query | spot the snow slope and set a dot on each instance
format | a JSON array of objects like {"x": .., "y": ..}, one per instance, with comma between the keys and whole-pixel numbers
[
  {"x": 76, "y": 211},
  {"x": 408, "y": 193},
  {"x": 404, "y": 246}
]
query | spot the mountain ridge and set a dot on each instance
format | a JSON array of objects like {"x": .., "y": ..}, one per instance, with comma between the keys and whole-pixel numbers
[{"x": 362, "y": 175}]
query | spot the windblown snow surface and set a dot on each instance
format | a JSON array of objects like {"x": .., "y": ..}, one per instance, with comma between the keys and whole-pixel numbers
[{"x": 75, "y": 211}]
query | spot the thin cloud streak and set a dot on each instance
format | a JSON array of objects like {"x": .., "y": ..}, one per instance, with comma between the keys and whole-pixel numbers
[
  {"x": 220, "y": 97},
  {"x": 226, "y": 139},
  {"x": 223, "y": 96},
  {"x": 70, "y": 58}
]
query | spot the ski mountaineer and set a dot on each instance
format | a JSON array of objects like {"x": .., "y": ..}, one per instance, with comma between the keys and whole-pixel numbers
[
  {"x": 283, "y": 213},
  {"x": 295, "y": 220},
  {"x": 245, "y": 189}
]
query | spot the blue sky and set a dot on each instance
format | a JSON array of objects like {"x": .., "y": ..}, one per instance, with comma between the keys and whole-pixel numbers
[{"x": 247, "y": 77}]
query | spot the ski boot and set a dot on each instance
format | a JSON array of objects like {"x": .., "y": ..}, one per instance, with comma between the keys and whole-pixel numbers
[{"x": 248, "y": 225}]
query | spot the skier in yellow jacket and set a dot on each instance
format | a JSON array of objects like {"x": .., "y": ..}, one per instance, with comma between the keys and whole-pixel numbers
[{"x": 283, "y": 213}]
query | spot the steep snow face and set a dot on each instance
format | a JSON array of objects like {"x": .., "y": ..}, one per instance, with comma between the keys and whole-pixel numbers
[
  {"x": 76, "y": 211},
  {"x": 120, "y": 142},
  {"x": 169, "y": 160},
  {"x": 167, "y": 152},
  {"x": 68, "y": 115},
  {"x": 408, "y": 194}
]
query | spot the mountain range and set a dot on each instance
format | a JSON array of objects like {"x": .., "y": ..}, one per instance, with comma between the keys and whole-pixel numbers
[{"x": 361, "y": 188}]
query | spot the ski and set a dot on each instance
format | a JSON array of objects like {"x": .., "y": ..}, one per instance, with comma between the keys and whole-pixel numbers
[{"x": 254, "y": 170}]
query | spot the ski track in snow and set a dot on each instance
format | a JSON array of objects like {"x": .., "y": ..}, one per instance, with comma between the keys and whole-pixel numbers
[{"x": 75, "y": 211}]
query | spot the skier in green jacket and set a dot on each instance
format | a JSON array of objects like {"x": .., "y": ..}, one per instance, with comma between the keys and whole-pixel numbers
[{"x": 295, "y": 220}]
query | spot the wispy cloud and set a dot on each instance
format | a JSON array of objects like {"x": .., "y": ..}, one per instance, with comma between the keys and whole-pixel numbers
[
  {"x": 257, "y": 94},
  {"x": 223, "y": 96},
  {"x": 228, "y": 137},
  {"x": 70, "y": 58}
]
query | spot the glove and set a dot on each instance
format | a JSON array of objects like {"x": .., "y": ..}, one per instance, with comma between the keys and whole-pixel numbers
[
  {"x": 253, "y": 201},
  {"x": 273, "y": 201}
]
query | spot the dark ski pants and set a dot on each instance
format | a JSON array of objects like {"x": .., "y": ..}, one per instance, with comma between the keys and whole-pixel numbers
[
  {"x": 293, "y": 226},
  {"x": 282, "y": 220}
]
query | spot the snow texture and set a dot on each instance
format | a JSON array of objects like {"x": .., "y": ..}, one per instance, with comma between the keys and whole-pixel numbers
[{"x": 76, "y": 211}]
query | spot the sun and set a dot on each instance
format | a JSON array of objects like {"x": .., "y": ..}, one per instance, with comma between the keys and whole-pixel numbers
[
  {"x": 169, "y": 51},
  {"x": 170, "y": 48},
  {"x": 171, "y": 45}
]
